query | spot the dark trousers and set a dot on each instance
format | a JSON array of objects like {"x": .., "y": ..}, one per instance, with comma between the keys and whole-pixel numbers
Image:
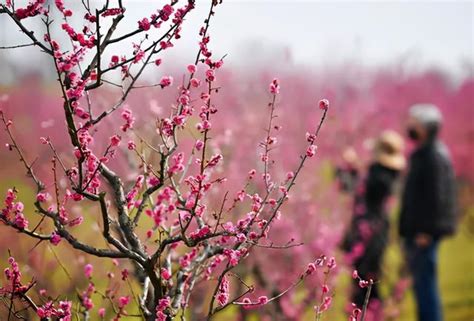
[{"x": 423, "y": 267}]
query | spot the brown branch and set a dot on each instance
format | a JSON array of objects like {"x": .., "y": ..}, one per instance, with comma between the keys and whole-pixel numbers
[
  {"x": 17, "y": 46},
  {"x": 43, "y": 237},
  {"x": 28, "y": 166},
  {"x": 27, "y": 32}
]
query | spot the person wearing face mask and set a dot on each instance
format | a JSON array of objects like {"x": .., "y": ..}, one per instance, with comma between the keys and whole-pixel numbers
[{"x": 428, "y": 209}]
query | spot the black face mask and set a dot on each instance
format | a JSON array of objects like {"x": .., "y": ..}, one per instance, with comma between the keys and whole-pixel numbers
[{"x": 413, "y": 134}]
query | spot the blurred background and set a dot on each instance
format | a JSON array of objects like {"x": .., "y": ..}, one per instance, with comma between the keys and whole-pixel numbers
[{"x": 372, "y": 60}]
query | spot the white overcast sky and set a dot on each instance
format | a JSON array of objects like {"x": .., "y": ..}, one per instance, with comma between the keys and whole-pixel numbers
[{"x": 373, "y": 33}]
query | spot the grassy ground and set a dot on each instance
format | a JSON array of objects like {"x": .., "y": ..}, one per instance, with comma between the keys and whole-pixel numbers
[{"x": 456, "y": 278}]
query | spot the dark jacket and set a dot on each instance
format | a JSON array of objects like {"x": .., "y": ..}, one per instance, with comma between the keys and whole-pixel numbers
[
  {"x": 429, "y": 198},
  {"x": 367, "y": 237},
  {"x": 369, "y": 225}
]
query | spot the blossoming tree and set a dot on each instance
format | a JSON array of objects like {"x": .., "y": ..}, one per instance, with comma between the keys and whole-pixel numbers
[{"x": 172, "y": 222}]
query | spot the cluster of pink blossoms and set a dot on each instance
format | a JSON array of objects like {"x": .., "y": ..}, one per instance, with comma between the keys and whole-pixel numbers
[
  {"x": 129, "y": 120},
  {"x": 222, "y": 295},
  {"x": 15, "y": 209},
  {"x": 175, "y": 197},
  {"x": 62, "y": 312},
  {"x": 362, "y": 283},
  {"x": 13, "y": 275},
  {"x": 15, "y": 287},
  {"x": 326, "y": 298},
  {"x": 34, "y": 8},
  {"x": 81, "y": 38},
  {"x": 60, "y": 6},
  {"x": 163, "y": 304},
  {"x": 163, "y": 15},
  {"x": 86, "y": 299}
]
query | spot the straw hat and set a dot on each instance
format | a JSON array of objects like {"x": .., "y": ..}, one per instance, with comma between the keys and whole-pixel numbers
[{"x": 388, "y": 150}]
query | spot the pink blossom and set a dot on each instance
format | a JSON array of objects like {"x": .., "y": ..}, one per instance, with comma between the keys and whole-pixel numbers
[
  {"x": 199, "y": 145},
  {"x": 163, "y": 303},
  {"x": 166, "y": 81},
  {"x": 252, "y": 173},
  {"x": 331, "y": 263},
  {"x": 123, "y": 301},
  {"x": 165, "y": 274},
  {"x": 77, "y": 221},
  {"x": 87, "y": 303},
  {"x": 124, "y": 274},
  {"x": 246, "y": 302},
  {"x": 88, "y": 268},
  {"x": 310, "y": 137},
  {"x": 222, "y": 295},
  {"x": 166, "y": 12},
  {"x": 324, "y": 104},
  {"x": 115, "y": 140},
  {"x": 144, "y": 24},
  {"x": 355, "y": 274},
  {"x": 195, "y": 82},
  {"x": 34, "y": 8},
  {"x": 129, "y": 120},
  {"x": 192, "y": 69},
  {"x": 363, "y": 283},
  {"x": 81, "y": 113},
  {"x": 114, "y": 59},
  {"x": 274, "y": 86},
  {"x": 165, "y": 44},
  {"x": 153, "y": 181},
  {"x": 241, "y": 237},
  {"x": 55, "y": 238},
  {"x": 160, "y": 316},
  {"x": 90, "y": 17},
  {"x": 201, "y": 233},
  {"x": 64, "y": 311},
  {"x": 326, "y": 303},
  {"x": 101, "y": 312},
  {"x": 42, "y": 197},
  {"x": 290, "y": 175},
  {"x": 20, "y": 221},
  {"x": 77, "y": 197},
  {"x": 262, "y": 300},
  {"x": 311, "y": 151},
  {"x": 210, "y": 75},
  {"x": 311, "y": 268},
  {"x": 184, "y": 100},
  {"x": 112, "y": 12},
  {"x": 131, "y": 145},
  {"x": 355, "y": 314},
  {"x": 59, "y": 4}
]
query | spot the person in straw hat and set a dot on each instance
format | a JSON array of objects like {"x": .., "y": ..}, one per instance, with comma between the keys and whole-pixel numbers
[{"x": 367, "y": 236}]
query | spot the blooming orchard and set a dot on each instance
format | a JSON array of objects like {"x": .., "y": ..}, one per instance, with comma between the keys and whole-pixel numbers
[{"x": 166, "y": 224}]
